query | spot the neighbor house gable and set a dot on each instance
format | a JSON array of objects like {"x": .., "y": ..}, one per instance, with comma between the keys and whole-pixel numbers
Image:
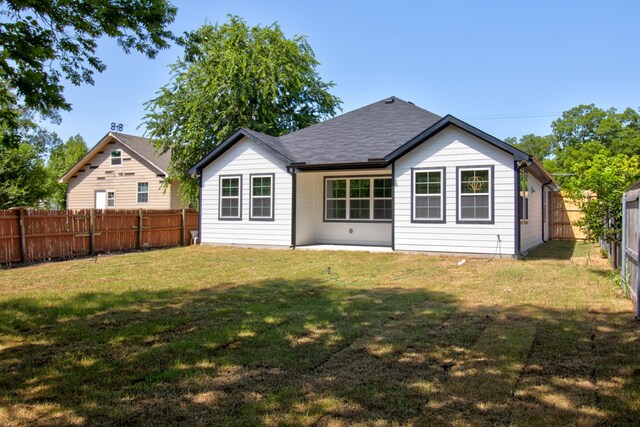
[{"x": 128, "y": 141}]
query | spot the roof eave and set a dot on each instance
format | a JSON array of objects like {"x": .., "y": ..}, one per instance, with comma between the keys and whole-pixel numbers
[
  {"x": 371, "y": 164},
  {"x": 451, "y": 120},
  {"x": 227, "y": 144},
  {"x": 145, "y": 158},
  {"x": 90, "y": 153}
]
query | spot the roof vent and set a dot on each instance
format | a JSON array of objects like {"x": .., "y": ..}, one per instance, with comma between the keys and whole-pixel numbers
[{"x": 388, "y": 101}]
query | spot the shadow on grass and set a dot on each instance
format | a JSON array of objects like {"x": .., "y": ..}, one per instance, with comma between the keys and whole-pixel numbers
[
  {"x": 555, "y": 250},
  {"x": 304, "y": 352}
]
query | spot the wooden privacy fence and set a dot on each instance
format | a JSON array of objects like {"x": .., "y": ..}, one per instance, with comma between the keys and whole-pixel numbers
[
  {"x": 32, "y": 235},
  {"x": 562, "y": 214},
  {"x": 631, "y": 246}
]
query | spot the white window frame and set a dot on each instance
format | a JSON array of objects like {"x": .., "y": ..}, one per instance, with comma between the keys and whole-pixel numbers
[
  {"x": 139, "y": 193},
  {"x": 238, "y": 197},
  {"x": 490, "y": 195},
  {"x": 118, "y": 157},
  {"x": 348, "y": 198},
  {"x": 252, "y": 198},
  {"x": 112, "y": 199},
  {"x": 415, "y": 195}
]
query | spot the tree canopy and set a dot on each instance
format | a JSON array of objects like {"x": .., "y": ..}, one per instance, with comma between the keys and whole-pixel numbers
[
  {"x": 592, "y": 151},
  {"x": 540, "y": 147},
  {"x": 607, "y": 176},
  {"x": 232, "y": 76},
  {"x": 61, "y": 158},
  {"x": 586, "y": 130},
  {"x": 43, "y": 43}
]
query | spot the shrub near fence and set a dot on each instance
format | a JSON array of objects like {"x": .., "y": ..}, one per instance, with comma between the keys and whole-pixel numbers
[{"x": 32, "y": 235}]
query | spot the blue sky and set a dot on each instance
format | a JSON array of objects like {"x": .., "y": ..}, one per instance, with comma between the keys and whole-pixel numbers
[{"x": 507, "y": 67}]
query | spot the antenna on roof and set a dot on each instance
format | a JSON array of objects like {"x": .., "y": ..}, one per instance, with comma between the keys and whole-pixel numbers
[
  {"x": 117, "y": 126},
  {"x": 388, "y": 101}
]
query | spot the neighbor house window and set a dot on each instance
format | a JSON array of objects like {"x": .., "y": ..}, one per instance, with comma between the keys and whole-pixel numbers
[
  {"x": 359, "y": 199},
  {"x": 524, "y": 197},
  {"x": 261, "y": 197},
  {"x": 143, "y": 192},
  {"x": 230, "y": 189},
  {"x": 428, "y": 195},
  {"x": 111, "y": 199},
  {"x": 116, "y": 157},
  {"x": 475, "y": 194}
]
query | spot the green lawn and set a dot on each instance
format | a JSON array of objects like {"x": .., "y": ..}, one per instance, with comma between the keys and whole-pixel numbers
[{"x": 220, "y": 336}]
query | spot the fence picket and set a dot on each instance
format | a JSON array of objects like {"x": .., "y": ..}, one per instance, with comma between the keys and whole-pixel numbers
[{"x": 32, "y": 235}]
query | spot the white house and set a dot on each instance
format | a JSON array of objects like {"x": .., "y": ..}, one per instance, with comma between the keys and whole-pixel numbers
[{"x": 388, "y": 174}]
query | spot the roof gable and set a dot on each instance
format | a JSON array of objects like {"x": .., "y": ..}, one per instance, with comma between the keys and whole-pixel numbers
[
  {"x": 267, "y": 141},
  {"x": 140, "y": 146},
  {"x": 442, "y": 124}
]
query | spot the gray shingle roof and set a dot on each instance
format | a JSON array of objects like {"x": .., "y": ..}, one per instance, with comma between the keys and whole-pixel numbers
[
  {"x": 370, "y": 132},
  {"x": 145, "y": 148}
]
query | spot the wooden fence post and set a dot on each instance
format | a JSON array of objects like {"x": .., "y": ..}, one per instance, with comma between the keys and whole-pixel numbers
[
  {"x": 23, "y": 238},
  {"x": 92, "y": 235},
  {"x": 140, "y": 229},
  {"x": 183, "y": 225}
]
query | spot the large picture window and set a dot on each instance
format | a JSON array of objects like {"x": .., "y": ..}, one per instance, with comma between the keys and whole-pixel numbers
[
  {"x": 230, "y": 191},
  {"x": 475, "y": 194},
  {"x": 261, "y": 197},
  {"x": 359, "y": 199},
  {"x": 428, "y": 195}
]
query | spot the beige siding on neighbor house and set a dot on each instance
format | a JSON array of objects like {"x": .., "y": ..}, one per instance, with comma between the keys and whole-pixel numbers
[{"x": 99, "y": 174}]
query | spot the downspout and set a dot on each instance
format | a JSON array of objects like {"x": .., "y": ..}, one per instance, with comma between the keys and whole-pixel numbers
[
  {"x": 393, "y": 206},
  {"x": 294, "y": 176},
  {"x": 200, "y": 212},
  {"x": 543, "y": 207}
]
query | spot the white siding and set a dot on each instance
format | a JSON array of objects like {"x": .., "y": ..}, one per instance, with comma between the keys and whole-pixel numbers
[
  {"x": 531, "y": 232},
  {"x": 448, "y": 149},
  {"x": 311, "y": 228},
  {"x": 244, "y": 158},
  {"x": 306, "y": 208}
]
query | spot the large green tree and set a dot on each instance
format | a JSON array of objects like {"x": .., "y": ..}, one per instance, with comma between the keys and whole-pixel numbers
[
  {"x": 540, "y": 147},
  {"x": 607, "y": 176},
  {"x": 45, "y": 42},
  {"x": 61, "y": 158},
  {"x": 586, "y": 130},
  {"x": 234, "y": 75},
  {"x": 23, "y": 177}
]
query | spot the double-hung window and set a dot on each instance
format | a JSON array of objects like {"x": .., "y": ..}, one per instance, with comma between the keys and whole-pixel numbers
[
  {"x": 261, "y": 197},
  {"x": 428, "y": 195},
  {"x": 111, "y": 199},
  {"x": 116, "y": 157},
  {"x": 230, "y": 191},
  {"x": 358, "y": 199},
  {"x": 143, "y": 192},
  {"x": 524, "y": 197},
  {"x": 475, "y": 194}
]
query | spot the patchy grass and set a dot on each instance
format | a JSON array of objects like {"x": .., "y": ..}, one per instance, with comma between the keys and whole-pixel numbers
[{"x": 220, "y": 336}]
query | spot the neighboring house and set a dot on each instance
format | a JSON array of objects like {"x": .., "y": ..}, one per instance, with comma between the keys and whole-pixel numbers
[
  {"x": 121, "y": 172},
  {"x": 388, "y": 174}
]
